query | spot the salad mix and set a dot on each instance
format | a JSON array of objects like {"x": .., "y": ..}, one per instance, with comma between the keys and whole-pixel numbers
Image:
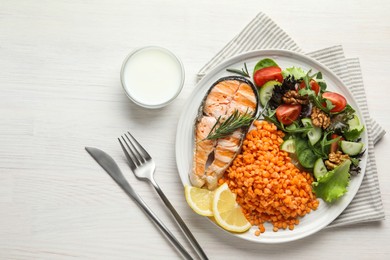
[{"x": 322, "y": 130}]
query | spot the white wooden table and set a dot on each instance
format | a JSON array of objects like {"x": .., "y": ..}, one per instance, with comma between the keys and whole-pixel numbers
[{"x": 60, "y": 91}]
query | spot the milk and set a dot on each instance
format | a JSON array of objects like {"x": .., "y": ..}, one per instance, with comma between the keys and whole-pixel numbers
[{"x": 152, "y": 76}]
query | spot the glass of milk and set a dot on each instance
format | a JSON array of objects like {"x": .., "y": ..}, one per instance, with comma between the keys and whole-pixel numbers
[{"x": 152, "y": 76}]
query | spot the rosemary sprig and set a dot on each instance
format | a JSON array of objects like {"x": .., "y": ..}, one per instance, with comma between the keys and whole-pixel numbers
[
  {"x": 243, "y": 72},
  {"x": 233, "y": 122}
]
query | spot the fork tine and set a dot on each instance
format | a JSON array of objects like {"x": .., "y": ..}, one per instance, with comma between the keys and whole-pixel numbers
[
  {"x": 140, "y": 149},
  {"x": 133, "y": 161},
  {"x": 134, "y": 150}
]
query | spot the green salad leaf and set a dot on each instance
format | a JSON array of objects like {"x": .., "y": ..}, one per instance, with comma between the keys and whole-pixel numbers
[
  {"x": 321, "y": 82},
  {"x": 333, "y": 184},
  {"x": 297, "y": 73},
  {"x": 340, "y": 121},
  {"x": 322, "y": 147},
  {"x": 353, "y": 134},
  {"x": 264, "y": 63}
]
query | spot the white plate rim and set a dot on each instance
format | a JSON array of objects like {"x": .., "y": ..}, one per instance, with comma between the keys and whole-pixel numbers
[{"x": 326, "y": 73}]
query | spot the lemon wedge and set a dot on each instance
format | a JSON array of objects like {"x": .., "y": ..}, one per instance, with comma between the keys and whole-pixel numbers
[
  {"x": 227, "y": 212},
  {"x": 200, "y": 200}
]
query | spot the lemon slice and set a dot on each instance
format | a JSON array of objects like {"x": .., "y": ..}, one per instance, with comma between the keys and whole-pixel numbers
[
  {"x": 227, "y": 212},
  {"x": 200, "y": 200}
]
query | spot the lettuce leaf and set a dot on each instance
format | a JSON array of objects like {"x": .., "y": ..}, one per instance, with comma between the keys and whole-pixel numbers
[
  {"x": 298, "y": 73},
  {"x": 353, "y": 134},
  {"x": 333, "y": 184}
]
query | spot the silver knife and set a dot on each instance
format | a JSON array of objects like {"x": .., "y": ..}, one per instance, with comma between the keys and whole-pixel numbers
[{"x": 110, "y": 166}]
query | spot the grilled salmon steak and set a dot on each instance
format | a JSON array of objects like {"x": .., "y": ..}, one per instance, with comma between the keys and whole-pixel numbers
[{"x": 212, "y": 157}]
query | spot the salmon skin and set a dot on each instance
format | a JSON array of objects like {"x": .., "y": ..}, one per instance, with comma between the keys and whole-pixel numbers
[{"x": 212, "y": 157}]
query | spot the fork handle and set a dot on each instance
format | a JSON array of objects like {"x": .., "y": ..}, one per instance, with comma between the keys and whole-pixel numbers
[
  {"x": 138, "y": 200},
  {"x": 180, "y": 222}
]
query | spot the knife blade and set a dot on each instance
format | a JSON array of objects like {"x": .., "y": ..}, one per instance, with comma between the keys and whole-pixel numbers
[{"x": 111, "y": 167}]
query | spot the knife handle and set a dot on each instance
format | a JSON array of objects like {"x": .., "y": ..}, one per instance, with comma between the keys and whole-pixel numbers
[
  {"x": 132, "y": 194},
  {"x": 180, "y": 221}
]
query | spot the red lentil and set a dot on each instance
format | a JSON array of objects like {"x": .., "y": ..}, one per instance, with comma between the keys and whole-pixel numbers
[{"x": 269, "y": 187}]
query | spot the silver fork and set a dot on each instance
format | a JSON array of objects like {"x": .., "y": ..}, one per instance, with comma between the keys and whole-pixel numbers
[{"x": 143, "y": 167}]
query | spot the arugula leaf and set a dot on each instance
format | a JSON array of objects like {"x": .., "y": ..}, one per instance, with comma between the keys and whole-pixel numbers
[
  {"x": 270, "y": 117},
  {"x": 354, "y": 161},
  {"x": 329, "y": 104},
  {"x": 322, "y": 148},
  {"x": 333, "y": 184},
  {"x": 322, "y": 85},
  {"x": 327, "y": 142},
  {"x": 317, "y": 100},
  {"x": 320, "y": 102},
  {"x": 295, "y": 72},
  {"x": 321, "y": 82},
  {"x": 264, "y": 63}
]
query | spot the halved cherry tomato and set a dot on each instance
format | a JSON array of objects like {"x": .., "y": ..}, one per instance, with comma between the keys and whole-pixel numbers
[
  {"x": 264, "y": 75},
  {"x": 337, "y": 100},
  {"x": 334, "y": 147},
  {"x": 287, "y": 114},
  {"x": 313, "y": 84}
]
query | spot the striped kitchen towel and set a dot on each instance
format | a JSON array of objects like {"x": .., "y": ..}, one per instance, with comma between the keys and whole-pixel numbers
[{"x": 263, "y": 33}]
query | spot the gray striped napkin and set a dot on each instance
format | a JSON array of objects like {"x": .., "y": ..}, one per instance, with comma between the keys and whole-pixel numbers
[{"x": 263, "y": 33}]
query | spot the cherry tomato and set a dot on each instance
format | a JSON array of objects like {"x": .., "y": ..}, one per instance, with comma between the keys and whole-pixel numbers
[
  {"x": 334, "y": 147},
  {"x": 264, "y": 75},
  {"x": 287, "y": 114},
  {"x": 337, "y": 100},
  {"x": 313, "y": 84}
]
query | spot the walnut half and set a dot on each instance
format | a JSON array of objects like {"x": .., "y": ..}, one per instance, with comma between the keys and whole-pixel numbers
[
  {"x": 320, "y": 118},
  {"x": 335, "y": 159},
  {"x": 292, "y": 97}
]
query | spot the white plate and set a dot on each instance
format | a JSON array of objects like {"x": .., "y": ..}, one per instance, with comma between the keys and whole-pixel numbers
[{"x": 325, "y": 213}]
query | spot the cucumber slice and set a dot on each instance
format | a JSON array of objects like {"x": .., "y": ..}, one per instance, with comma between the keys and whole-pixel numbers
[
  {"x": 305, "y": 154},
  {"x": 355, "y": 129},
  {"x": 291, "y": 127},
  {"x": 307, "y": 158},
  {"x": 354, "y": 123},
  {"x": 319, "y": 168},
  {"x": 288, "y": 146},
  {"x": 300, "y": 145},
  {"x": 351, "y": 148},
  {"x": 306, "y": 121},
  {"x": 266, "y": 91},
  {"x": 314, "y": 134}
]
